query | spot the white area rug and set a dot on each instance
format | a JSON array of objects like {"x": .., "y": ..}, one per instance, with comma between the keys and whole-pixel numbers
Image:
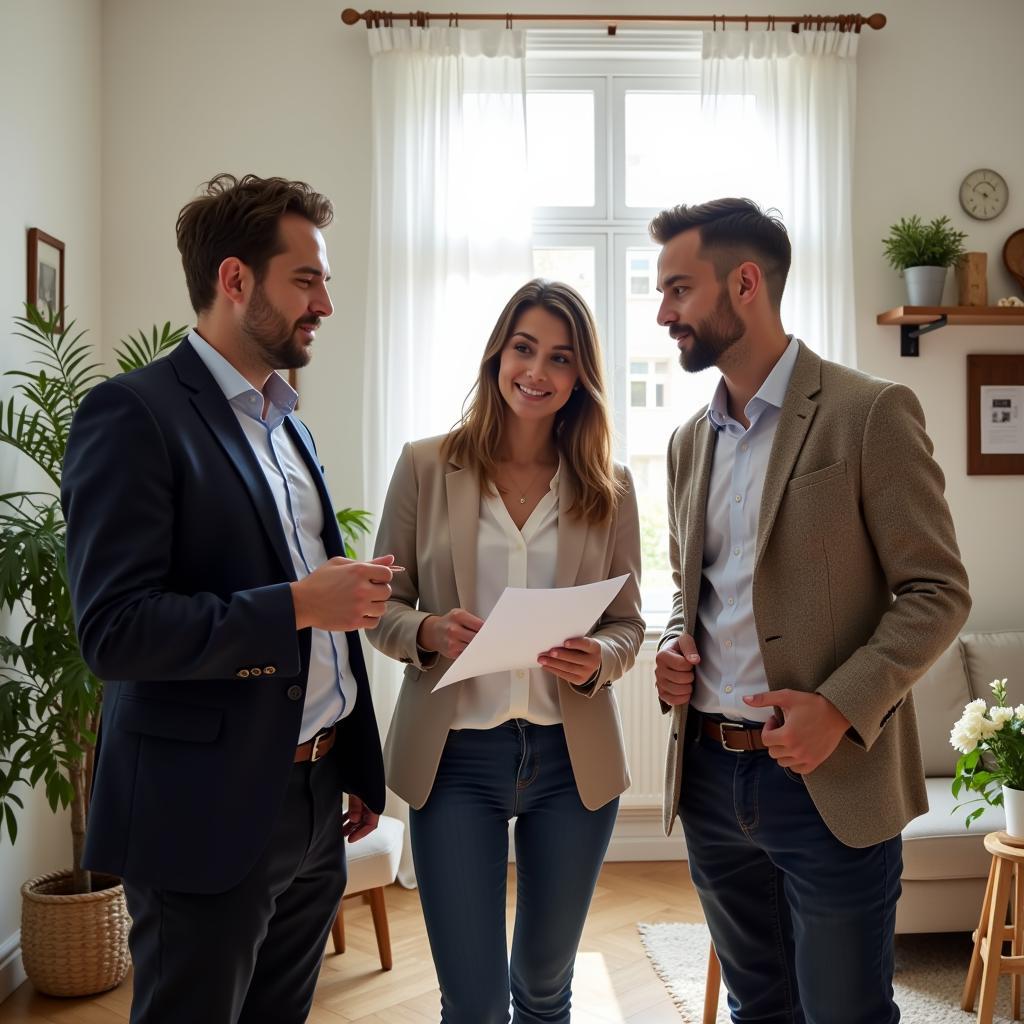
[{"x": 930, "y": 973}]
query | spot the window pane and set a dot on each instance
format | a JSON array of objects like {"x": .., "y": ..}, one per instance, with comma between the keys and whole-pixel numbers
[
  {"x": 638, "y": 367},
  {"x": 638, "y": 393},
  {"x": 677, "y": 395},
  {"x": 573, "y": 265},
  {"x": 560, "y": 144},
  {"x": 660, "y": 148}
]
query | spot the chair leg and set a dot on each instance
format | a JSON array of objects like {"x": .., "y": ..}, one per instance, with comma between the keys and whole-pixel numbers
[
  {"x": 973, "y": 981},
  {"x": 338, "y": 929},
  {"x": 712, "y": 986},
  {"x": 375, "y": 897},
  {"x": 1017, "y": 947},
  {"x": 993, "y": 954}
]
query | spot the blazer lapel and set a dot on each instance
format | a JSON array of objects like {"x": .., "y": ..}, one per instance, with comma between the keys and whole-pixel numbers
[
  {"x": 463, "y": 492},
  {"x": 331, "y": 533},
  {"x": 216, "y": 411},
  {"x": 572, "y": 535},
  {"x": 696, "y": 515},
  {"x": 795, "y": 418}
]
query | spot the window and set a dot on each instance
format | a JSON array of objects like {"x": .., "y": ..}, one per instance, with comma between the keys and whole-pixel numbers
[{"x": 610, "y": 141}]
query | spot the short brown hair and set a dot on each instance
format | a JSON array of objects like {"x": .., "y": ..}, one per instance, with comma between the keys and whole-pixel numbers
[
  {"x": 731, "y": 231},
  {"x": 239, "y": 217}
]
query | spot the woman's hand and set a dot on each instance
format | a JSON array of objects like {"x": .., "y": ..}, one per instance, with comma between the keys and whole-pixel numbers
[
  {"x": 449, "y": 634},
  {"x": 575, "y": 661}
]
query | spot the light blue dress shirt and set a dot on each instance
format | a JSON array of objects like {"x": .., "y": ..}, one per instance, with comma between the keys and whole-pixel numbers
[
  {"x": 330, "y": 689},
  {"x": 731, "y": 666}
]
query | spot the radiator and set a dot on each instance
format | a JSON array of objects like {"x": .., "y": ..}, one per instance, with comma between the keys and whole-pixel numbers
[{"x": 644, "y": 730}]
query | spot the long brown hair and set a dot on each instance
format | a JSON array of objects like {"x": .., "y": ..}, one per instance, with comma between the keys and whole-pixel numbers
[{"x": 582, "y": 431}]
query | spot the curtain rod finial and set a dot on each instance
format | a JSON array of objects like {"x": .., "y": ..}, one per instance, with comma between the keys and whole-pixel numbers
[
  {"x": 350, "y": 15},
  {"x": 877, "y": 21}
]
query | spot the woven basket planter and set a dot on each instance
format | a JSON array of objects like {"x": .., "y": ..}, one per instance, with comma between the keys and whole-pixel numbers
[{"x": 74, "y": 944}]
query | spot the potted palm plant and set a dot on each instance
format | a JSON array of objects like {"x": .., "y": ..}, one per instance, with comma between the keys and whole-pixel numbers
[
  {"x": 49, "y": 700},
  {"x": 924, "y": 253}
]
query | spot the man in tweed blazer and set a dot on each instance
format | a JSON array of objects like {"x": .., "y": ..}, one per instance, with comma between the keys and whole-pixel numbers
[{"x": 817, "y": 577}]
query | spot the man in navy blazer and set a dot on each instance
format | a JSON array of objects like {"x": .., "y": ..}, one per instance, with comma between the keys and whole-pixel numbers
[{"x": 212, "y": 597}]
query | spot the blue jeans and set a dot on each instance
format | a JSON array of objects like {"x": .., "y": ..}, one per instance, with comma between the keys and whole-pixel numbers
[
  {"x": 460, "y": 847},
  {"x": 803, "y": 925}
]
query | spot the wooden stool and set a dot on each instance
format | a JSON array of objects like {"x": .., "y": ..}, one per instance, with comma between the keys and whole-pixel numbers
[{"x": 987, "y": 960}]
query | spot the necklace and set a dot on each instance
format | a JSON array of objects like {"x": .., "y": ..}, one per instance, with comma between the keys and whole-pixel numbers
[{"x": 523, "y": 491}]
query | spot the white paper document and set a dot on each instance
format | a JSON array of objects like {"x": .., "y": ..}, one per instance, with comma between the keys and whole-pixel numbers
[
  {"x": 526, "y": 622},
  {"x": 1002, "y": 420}
]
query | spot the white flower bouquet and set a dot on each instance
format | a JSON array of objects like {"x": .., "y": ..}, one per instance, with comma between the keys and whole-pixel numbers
[{"x": 991, "y": 742}]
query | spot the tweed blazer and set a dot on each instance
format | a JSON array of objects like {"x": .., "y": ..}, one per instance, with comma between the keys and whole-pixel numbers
[
  {"x": 430, "y": 523},
  {"x": 858, "y": 585}
]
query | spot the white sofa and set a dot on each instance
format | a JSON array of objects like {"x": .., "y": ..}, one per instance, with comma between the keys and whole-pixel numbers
[{"x": 945, "y": 864}]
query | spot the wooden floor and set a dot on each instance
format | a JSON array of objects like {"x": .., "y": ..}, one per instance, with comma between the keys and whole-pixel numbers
[{"x": 614, "y": 982}]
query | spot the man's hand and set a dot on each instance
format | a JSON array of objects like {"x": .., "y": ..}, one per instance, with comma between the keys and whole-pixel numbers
[
  {"x": 358, "y": 821},
  {"x": 674, "y": 670},
  {"x": 812, "y": 730},
  {"x": 449, "y": 634},
  {"x": 342, "y": 594},
  {"x": 575, "y": 661}
]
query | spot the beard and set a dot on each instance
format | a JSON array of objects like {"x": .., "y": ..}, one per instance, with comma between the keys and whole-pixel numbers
[
  {"x": 272, "y": 336},
  {"x": 712, "y": 336}
]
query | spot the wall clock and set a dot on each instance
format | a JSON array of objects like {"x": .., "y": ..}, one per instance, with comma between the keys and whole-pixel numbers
[{"x": 983, "y": 194}]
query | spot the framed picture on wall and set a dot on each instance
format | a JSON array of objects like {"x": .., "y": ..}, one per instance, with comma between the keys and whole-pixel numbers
[
  {"x": 46, "y": 275},
  {"x": 995, "y": 414}
]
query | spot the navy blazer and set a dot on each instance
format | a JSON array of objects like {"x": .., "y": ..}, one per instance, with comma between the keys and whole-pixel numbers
[{"x": 179, "y": 573}]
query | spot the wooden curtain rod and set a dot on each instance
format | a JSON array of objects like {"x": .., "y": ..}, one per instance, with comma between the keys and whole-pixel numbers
[{"x": 422, "y": 19}]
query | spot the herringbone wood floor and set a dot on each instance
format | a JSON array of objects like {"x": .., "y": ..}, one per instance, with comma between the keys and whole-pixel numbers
[{"x": 614, "y": 982}]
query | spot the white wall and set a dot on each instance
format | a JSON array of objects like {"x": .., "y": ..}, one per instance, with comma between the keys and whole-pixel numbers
[{"x": 50, "y": 170}]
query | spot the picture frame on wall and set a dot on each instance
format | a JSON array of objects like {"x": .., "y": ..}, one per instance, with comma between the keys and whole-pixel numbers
[
  {"x": 995, "y": 414},
  {"x": 46, "y": 275}
]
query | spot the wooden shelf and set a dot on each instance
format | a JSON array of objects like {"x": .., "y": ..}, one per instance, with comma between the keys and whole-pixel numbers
[
  {"x": 914, "y": 321},
  {"x": 985, "y": 315}
]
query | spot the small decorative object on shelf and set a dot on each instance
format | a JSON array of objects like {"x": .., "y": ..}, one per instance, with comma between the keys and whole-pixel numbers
[
  {"x": 998, "y": 779},
  {"x": 924, "y": 252},
  {"x": 1010, "y": 301},
  {"x": 971, "y": 280}
]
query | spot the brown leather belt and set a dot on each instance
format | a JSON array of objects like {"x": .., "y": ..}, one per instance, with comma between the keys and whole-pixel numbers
[
  {"x": 317, "y": 747},
  {"x": 733, "y": 736}
]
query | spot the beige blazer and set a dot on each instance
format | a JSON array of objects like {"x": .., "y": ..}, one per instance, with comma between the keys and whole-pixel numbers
[
  {"x": 858, "y": 585},
  {"x": 430, "y": 523}
]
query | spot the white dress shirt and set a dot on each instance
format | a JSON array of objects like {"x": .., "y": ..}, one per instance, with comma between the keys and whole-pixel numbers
[
  {"x": 508, "y": 557},
  {"x": 731, "y": 666},
  {"x": 330, "y": 688}
]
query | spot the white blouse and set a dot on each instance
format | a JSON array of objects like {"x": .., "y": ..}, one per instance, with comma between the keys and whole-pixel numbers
[{"x": 508, "y": 557}]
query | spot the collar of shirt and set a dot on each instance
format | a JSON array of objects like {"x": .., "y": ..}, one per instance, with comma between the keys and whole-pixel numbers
[
  {"x": 771, "y": 393},
  {"x": 240, "y": 393}
]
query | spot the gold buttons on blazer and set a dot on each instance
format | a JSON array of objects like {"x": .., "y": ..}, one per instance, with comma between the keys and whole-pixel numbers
[
  {"x": 256, "y": 671},
  {"x": 269, "y": 670},
  {"x": 242, "y": 673}
]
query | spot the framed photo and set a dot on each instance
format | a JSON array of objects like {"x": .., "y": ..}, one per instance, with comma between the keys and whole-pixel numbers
[
  {"x": 46, "y": 275},
  {"x": 995, "y": 414}
]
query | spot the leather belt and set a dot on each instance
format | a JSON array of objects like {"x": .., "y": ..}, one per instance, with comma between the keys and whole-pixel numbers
[
  {"x": 317, "y": 747},
  {"x": 733, "y": 736}
]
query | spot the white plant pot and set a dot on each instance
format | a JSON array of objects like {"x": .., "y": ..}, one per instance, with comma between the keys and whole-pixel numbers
[
  {"x": 925, "y": 285},
  {"x": 1013, "y": 804}
]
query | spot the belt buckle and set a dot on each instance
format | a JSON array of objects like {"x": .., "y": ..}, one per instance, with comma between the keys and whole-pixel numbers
[
  {"x": 314, "y": 754},
  {"x": 735, "y": 727}
]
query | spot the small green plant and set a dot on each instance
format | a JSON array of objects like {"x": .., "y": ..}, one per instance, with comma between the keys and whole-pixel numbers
[
  {"x": 912, "y": 243},
  {"x": 49, "y": 700},
  {"x": 352, "y": 522}
]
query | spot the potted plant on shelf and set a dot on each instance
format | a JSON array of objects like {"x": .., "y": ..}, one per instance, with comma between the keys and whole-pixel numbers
[
  {"x": 74, "y": 925},
  {"x": 924, "y": 253},
  {"x": 991, "y": 742}
]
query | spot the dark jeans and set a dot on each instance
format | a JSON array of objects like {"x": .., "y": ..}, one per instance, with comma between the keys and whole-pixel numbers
[
  {"x": 460, "y": 846},
  {"x": 803, "y": 925},
  {"x": 250, "y": 955}
]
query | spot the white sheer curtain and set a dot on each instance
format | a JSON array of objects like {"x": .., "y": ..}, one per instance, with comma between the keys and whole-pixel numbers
[
  {"x": 779, "y": 108},
  {"x": 449, "y": 244}
]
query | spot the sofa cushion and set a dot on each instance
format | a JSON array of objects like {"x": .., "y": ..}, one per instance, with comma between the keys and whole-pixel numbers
[
  {"x": 996, "y": 655},
  {"x": 936, "y": 845},
  {"x": 939, "y": 699}
]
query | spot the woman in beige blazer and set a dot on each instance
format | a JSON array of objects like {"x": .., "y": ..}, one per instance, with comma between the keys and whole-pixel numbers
[{"x": 522, "y": 493}]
